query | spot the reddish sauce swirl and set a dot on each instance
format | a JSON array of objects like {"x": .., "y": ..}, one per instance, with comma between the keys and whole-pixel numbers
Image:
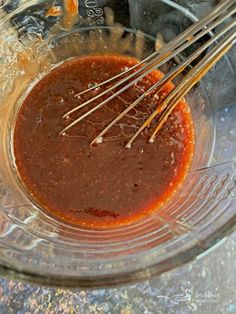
[{"x": 105, "y": 185}]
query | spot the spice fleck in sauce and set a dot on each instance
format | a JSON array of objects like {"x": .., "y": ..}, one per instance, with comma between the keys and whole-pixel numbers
[{"x": 104, "y": 185}]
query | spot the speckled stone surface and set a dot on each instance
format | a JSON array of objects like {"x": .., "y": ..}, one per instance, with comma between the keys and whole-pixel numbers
[{"x": 207, "y": 285}]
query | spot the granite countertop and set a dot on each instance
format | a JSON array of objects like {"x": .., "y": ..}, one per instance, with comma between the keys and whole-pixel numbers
[{"x": 206, "y": 285}]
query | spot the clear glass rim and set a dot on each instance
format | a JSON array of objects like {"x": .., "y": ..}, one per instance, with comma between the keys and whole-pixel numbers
[{"x": 182, "y": 258}]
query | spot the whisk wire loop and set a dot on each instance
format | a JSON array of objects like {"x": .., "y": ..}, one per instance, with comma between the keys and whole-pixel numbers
[{"x": 136, "y": 73}]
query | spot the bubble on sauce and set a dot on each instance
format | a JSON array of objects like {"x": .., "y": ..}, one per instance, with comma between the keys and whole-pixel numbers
[
  {"x": 93, "y": 65},
  {"x": 186, "y": 109},
  {"x": 66, "y": 159},
  {"x": 71, "y": 92},
  {"x": 39, "y": 120},
  {"x": 124, "y": 69},
  {"x": 176, "y": 140},
  {"x": 172, "y": 155},
  {"x": 60, "y": 100},
  {"x": 92, "y": 84},
  {"x": 179, "y": 117},
  {"x": 97, "y": 89}
]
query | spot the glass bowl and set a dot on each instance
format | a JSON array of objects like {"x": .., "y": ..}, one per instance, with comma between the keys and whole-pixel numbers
[{"x": 34, "y": 246}]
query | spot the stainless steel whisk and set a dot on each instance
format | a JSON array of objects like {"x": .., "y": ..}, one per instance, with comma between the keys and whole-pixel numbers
[{"x": 222, "y": 15}]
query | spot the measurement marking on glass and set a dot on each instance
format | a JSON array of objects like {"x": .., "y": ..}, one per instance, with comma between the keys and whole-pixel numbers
[{"x": 94, "y": 12}]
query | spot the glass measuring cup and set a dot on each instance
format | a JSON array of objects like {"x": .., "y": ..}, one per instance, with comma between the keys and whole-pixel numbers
[{"x": 35, "y": 38}]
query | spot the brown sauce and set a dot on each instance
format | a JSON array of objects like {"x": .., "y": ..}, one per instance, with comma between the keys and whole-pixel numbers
[
  {"x": 104, "y": 185},
  {"x": 53, "y": 11},
  {"x": 71, "y": 10}
]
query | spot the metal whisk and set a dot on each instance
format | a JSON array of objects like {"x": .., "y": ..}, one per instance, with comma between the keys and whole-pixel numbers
[{"x": 222, "y": 15}]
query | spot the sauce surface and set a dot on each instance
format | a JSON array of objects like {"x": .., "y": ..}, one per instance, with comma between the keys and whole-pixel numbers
[{"x": 104, "y": 185}]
